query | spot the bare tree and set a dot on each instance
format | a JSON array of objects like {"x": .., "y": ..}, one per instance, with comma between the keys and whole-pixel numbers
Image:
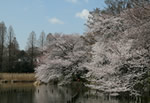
[
  {"x": 42, "y": 40},
  {"x": 2, "y": 43},
  {"x": 10, "y": 46},
  {"x": 116, "y": 6},
  {"x": 32, "y": 47},
  {"x": 15, "y": 48}
]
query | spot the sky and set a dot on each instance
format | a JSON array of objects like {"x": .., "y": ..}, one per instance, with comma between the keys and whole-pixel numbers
[{"x": 50, "y": 16}]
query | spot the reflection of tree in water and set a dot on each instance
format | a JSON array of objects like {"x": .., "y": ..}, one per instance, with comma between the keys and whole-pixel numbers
[
  {"x": 72, "y": 94},
  {"x": 79, "y": 94},
  {"x": 52, "y": 94},
  {"x": 16, "y": 93}
]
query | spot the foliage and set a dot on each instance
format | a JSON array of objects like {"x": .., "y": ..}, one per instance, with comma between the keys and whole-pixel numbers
[
  {"x": 112, "y": 56},
  {"x": 62, "y": 59},
  {"x": 120, "y": 53}
]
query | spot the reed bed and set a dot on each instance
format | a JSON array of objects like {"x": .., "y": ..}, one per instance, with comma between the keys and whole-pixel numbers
[{"x": 17, "y": 77}]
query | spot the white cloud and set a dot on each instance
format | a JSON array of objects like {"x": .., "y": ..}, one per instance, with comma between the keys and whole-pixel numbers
[
  {"x": 84, "y": 14},
  {"x": 55, "y": 21}
]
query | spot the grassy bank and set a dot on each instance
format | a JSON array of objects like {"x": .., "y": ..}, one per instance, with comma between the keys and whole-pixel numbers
[{"x": 17, "y": 77}]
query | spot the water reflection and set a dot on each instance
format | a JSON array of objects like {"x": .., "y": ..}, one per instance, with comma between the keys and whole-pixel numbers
[
  {"x": 52, "y": 94},
  {"x": 16, "y": 93},
  {"x": 27, "y": 93},
  {"x": 57, "y": 94}
]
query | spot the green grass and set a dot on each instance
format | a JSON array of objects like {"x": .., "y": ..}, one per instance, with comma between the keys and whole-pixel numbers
[{"x": 24, "y": 77}]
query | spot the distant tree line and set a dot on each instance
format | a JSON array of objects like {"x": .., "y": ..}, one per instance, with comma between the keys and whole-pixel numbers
[{"x": 14, "y": 60}]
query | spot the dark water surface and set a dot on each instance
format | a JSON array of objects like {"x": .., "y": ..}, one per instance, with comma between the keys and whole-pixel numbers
[{"x": 27, "y": 93}]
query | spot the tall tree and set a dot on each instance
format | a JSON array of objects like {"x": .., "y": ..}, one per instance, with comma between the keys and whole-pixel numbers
[
  {"x": 15, "y": 49},
  {"x": 2, "y": 42},
  {"x": 32, "y": 47},
  {"x": 42, "y": 40},
  {"x": 10, "y": 46},
  {"x": 14, "y": 57}
]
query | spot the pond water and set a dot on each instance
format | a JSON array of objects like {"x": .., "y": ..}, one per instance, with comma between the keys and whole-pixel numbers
[{"x": 27, "y": 93}]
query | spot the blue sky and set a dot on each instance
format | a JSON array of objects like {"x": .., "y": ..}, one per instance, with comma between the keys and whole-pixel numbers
[{"x": 67, "y": 16}]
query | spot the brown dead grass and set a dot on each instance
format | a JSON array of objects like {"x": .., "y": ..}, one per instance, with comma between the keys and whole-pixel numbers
[{"x": 17, "y": 76}]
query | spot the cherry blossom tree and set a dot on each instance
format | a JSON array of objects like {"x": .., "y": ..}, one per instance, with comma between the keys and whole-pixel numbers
[
  {"x": 62, "y": 59},
  {"x": 114, "y": 62}
]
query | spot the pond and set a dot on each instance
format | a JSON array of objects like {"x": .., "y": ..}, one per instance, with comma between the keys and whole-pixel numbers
[{"x": 28, "y": 93}]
